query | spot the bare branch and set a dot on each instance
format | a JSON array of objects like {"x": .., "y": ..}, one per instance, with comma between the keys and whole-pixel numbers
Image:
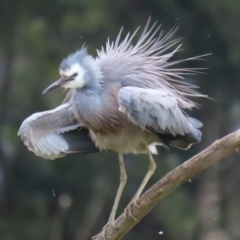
[{"x": 172, "y": 180}]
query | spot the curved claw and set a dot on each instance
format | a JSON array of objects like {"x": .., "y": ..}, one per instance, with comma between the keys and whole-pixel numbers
[
  {"x": 104, "y": 230},
  {"x": 128, "y": 209}
]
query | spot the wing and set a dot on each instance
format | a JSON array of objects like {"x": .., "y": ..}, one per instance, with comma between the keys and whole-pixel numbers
[
  {"x": 55, "y": 133},
  {"x": 158, "y": 111}
]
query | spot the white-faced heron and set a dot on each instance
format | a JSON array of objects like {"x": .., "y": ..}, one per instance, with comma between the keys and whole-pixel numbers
[{"x": 128, "y": 99}]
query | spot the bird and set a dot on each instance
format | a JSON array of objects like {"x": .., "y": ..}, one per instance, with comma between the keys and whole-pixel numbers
[{"x": 130, "y": 98}]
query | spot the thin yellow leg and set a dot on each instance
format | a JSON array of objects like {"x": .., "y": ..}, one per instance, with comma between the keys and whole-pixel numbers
[
  {"x": 151, "y": 170},
  {"x": 123, "y": 180}
]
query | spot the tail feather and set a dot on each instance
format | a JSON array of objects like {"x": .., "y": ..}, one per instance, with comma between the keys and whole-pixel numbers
[{"x": 186, "y": 141}]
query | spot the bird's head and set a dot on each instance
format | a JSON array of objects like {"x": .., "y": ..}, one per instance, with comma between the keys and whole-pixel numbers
[{"x": 77, "y": 71}]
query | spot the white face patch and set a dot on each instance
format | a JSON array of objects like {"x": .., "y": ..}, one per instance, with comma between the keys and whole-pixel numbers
[{"x": 78, "y": 82}]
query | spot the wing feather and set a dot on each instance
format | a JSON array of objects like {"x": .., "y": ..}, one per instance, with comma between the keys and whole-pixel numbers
[
  {"x": 157, "y": 110},
  {"x": 41, "y": 132},
  {"x": 46, "y": 133}
]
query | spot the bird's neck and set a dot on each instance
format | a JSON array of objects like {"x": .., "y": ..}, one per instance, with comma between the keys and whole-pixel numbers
[{"x": 97, "y": 110}]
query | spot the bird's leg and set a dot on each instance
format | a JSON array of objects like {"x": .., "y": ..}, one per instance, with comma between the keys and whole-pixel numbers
[
  {"x": 151, "y": 170},
  {"x": 123, "y": 180}
]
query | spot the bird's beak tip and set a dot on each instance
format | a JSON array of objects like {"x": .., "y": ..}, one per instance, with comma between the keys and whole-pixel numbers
[
  {"x": 45, "y": 90},
  {"x": 56, "y": 84}
]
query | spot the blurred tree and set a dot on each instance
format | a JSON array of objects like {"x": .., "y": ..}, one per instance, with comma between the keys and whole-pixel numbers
[{"x": 34, "y": 37}]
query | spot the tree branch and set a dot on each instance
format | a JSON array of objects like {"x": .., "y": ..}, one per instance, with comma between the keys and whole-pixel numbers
[{"x": 172, "y": 180}]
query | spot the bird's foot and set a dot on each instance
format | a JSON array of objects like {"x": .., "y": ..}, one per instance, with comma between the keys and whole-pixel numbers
[
  {"x": 128, "y": 209},
  {"x": 103, "y": 234}
]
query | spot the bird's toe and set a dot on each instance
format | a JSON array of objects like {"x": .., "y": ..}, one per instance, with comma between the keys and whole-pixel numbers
[
  {"x": 128, "y": 209},
  {"x": 103, "y": 234}
]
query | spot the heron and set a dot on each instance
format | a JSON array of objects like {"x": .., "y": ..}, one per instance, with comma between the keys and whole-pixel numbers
[{"x": 130, "y": 98}]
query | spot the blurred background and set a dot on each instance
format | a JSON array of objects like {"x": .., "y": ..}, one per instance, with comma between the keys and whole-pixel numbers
[{"x": 71, "y": 198}]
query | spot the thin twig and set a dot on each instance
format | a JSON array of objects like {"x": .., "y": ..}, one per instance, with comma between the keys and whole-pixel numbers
[{"x": 172, "y": 180}]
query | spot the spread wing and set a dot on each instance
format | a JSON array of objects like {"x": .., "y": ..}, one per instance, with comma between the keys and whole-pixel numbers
[
  {"x": 158, "y": 111},
  {"x": 55, "y": 133}
]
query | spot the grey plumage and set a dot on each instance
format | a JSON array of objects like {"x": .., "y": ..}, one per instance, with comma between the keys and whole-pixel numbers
[
  {"x": 158, "y": 111},
  {"x": 48, "y": 137},
  {"x": 77, "y": 57},
  {"x": 128, "y": 99}
]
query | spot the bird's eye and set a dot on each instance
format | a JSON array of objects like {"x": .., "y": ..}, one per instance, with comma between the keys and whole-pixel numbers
[{"x": 75, "y": 74}]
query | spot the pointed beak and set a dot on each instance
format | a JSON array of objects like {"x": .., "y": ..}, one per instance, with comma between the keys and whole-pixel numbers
[{"x": 60, "y": 82}]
